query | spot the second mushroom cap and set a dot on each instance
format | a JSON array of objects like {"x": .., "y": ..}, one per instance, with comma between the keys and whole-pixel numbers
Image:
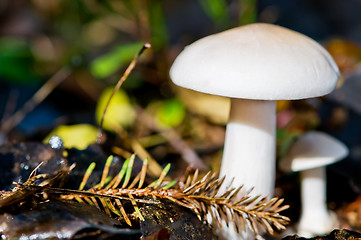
[{"x": 312, "y": 150}]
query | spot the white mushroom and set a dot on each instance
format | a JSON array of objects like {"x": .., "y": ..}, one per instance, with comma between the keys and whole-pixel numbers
[
  {"x": 310, "y": 155},
  {"x": 255, "y": 65}
]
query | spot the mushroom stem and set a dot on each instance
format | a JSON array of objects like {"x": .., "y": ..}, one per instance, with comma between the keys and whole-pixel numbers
[
  {"x": 249, "y": 149},
  {"x": 315, "y": 218}
]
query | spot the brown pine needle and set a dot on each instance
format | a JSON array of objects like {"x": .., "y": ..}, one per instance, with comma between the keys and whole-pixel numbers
[
  {"x": 106, "y": 170},
  {"x": 143, "y": 173},
  {"x": 122, "y": 211}
]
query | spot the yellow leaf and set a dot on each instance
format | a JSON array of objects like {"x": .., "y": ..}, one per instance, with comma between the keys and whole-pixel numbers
[
  {"x": 75, "y": 136},
  {"x": 119, "y": 112}
]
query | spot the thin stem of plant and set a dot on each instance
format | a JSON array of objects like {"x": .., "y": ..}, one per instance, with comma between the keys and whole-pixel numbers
[
  {"x": 119, "y": 84},
  {"x": 10, "y": 105},
  {"x": 36, "y": 99}
]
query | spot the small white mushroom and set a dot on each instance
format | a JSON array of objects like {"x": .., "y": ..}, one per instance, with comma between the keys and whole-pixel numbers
[
  {"x": 310, "y": 155},
  {"x": 255, "y": 65}
]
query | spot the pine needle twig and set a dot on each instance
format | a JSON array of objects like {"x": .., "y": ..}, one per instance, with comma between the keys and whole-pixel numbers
[{"x": 202, "y": 196}]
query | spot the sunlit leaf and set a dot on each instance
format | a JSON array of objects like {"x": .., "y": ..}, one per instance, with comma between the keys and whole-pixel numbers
[
  {"x": 168, "y": 113},
  {"x": 75, "y": 136},
  {"x": 171, "y": 113},
  {"x": 119, "y": 113},
  {"x": 214, "y": 108}
]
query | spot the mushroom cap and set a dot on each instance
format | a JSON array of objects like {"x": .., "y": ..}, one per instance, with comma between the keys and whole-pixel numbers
[
  {"x": 312, "y": 150},
  {"x": 257, "y": 61}
]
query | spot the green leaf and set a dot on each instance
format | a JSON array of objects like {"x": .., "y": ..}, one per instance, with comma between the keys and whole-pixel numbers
[
  {"x": 248, "y": 12},
  {"x": 171, "y": 113},
  {"x": 16, "y": 61},
  {"x": 109, "y": 63},
  {"x": 158, "y": 29},
  {"x": 216, "y": 10}
]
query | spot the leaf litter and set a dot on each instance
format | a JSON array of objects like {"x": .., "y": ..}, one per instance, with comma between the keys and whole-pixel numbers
[{"x": 123, "y": 204}]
